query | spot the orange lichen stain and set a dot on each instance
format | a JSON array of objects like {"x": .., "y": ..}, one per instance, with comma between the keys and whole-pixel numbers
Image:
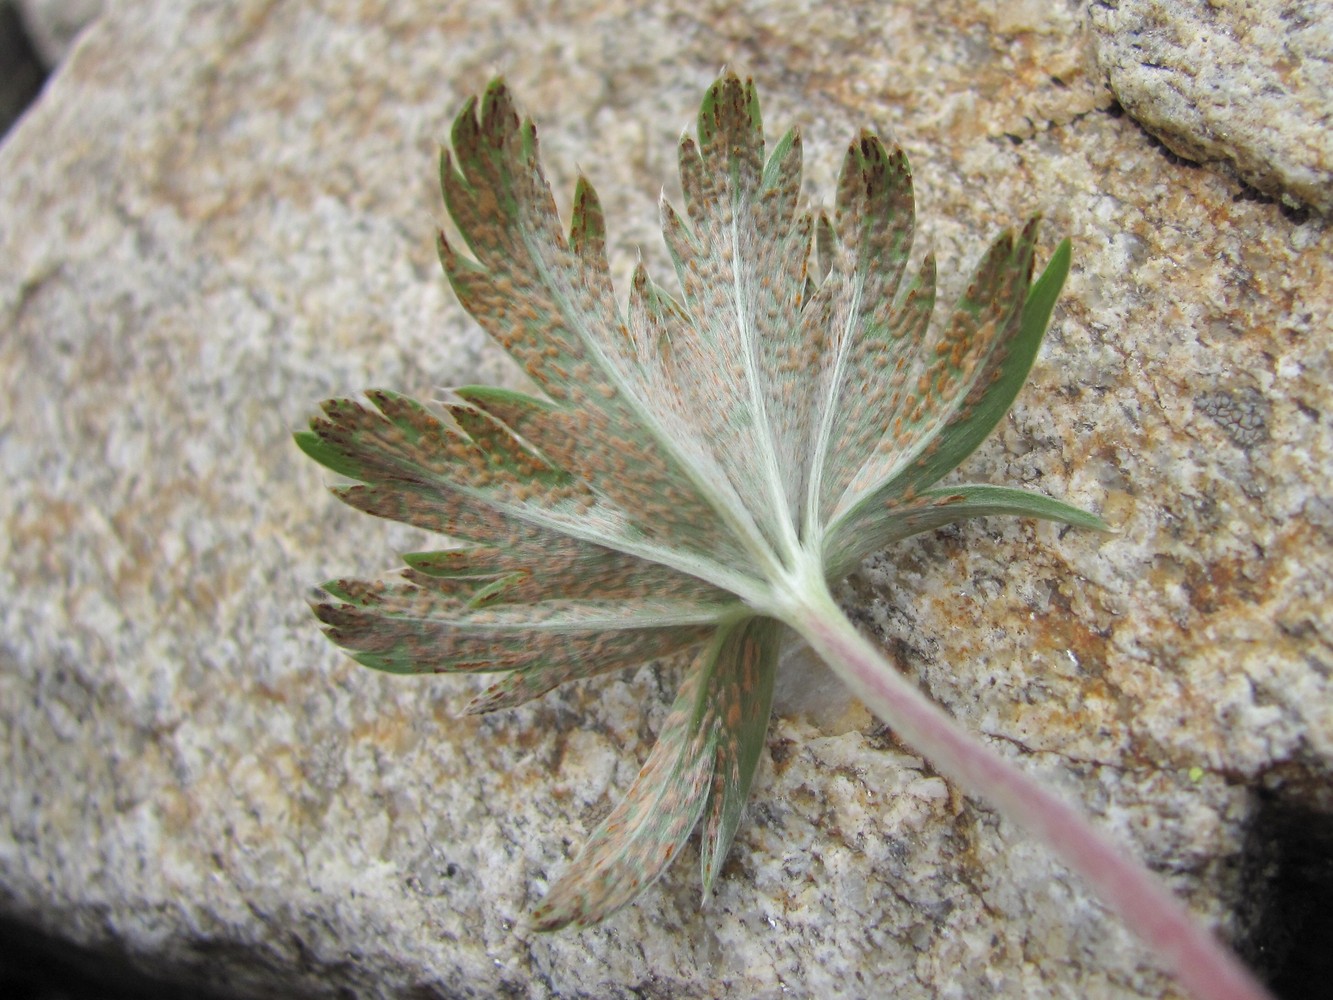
[
  {"x": 272, "y": 694},
  {"x": 394, "y": 733},
  {"x": 44, "y": 522},
  {"x": 1060, "y": 633},
  {"x": 1117, "y": 507},
  {"x": 1069, "y": 661},
  {"x": 1165, "y": 572},
  {"x": 176, "y": 811},
  {"x": 1214, "y": 586},
  {"x": 855, "y": 717}
]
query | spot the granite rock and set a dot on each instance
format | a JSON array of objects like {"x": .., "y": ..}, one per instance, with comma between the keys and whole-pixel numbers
[
  {"x": 1245, "y": 83},
  {"x": 203, "y": 241},
  {"x": 54, "y": 25}
]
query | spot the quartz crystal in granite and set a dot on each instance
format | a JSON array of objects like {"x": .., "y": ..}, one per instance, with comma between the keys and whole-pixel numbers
[
  {"x": 203, "y": 240},
  {"x": 1248, "y": 83}
]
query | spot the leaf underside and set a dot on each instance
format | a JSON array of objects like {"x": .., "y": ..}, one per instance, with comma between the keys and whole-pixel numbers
[{"x": 792, "y": 400}]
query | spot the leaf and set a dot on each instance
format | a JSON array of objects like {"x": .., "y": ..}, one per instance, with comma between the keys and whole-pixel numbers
[
  {"x": 704, "y": 757},
  {"x": 940, "y": 374},
  {"x": 695, "y": 472},
  {"x": 693, "y": 465},
  {"x": 935, "y": 508},
  {"x": 545, "y": 301},
  {"x": 438, "y": 634},
  {"x": 741, "y": 258},
  {"x": 742, "y": 702},
  {"x": 874, "y": 328}
]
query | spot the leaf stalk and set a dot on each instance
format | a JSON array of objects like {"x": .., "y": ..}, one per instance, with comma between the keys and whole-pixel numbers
[{"x": 1199, "y": 961}]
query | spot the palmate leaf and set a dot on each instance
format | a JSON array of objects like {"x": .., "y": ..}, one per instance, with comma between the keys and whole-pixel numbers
[{"x": 697, "y": 469}]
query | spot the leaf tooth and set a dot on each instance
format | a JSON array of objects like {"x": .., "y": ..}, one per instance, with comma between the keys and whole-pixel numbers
[
  {"x": 687, "y": 251},
  {"x": 709, "y": 120},
  {"x": 525, "y": 416},
  {"x": 875, "y": 217},
  {"x": 782, "y": 175},
  {"x": 499, "y": 462},
  {"x": 332, "y": 458},
  {"x": 587, "y": 227},
  {"x": 645, "y": 322},
  {"x": 698, "y": 187},
  {"x": 459, "y": 563},
  {"x": 824, "y": 249},
  {"x": 731, "y": 138},
  {"x": 498, "y": 119},
  {"x": 466, "y": 132}
]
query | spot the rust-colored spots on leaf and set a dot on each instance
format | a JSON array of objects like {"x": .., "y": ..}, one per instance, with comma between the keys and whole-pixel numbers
[{"x": 678, "y": 460}]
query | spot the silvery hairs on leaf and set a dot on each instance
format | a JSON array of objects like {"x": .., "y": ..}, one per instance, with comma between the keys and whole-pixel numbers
[
  {"x": 792, "y": 401},
  {"x": 698, "y": 466}
]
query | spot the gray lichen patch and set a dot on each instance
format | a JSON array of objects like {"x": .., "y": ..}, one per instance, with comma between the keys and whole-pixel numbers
[{"x": 1242, "y": 414}]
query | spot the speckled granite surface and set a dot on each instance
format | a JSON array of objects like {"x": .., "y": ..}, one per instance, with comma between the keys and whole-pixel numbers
[
  {"x": 1244, "y": 83},
  {"x": 205, "y": 239}
]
